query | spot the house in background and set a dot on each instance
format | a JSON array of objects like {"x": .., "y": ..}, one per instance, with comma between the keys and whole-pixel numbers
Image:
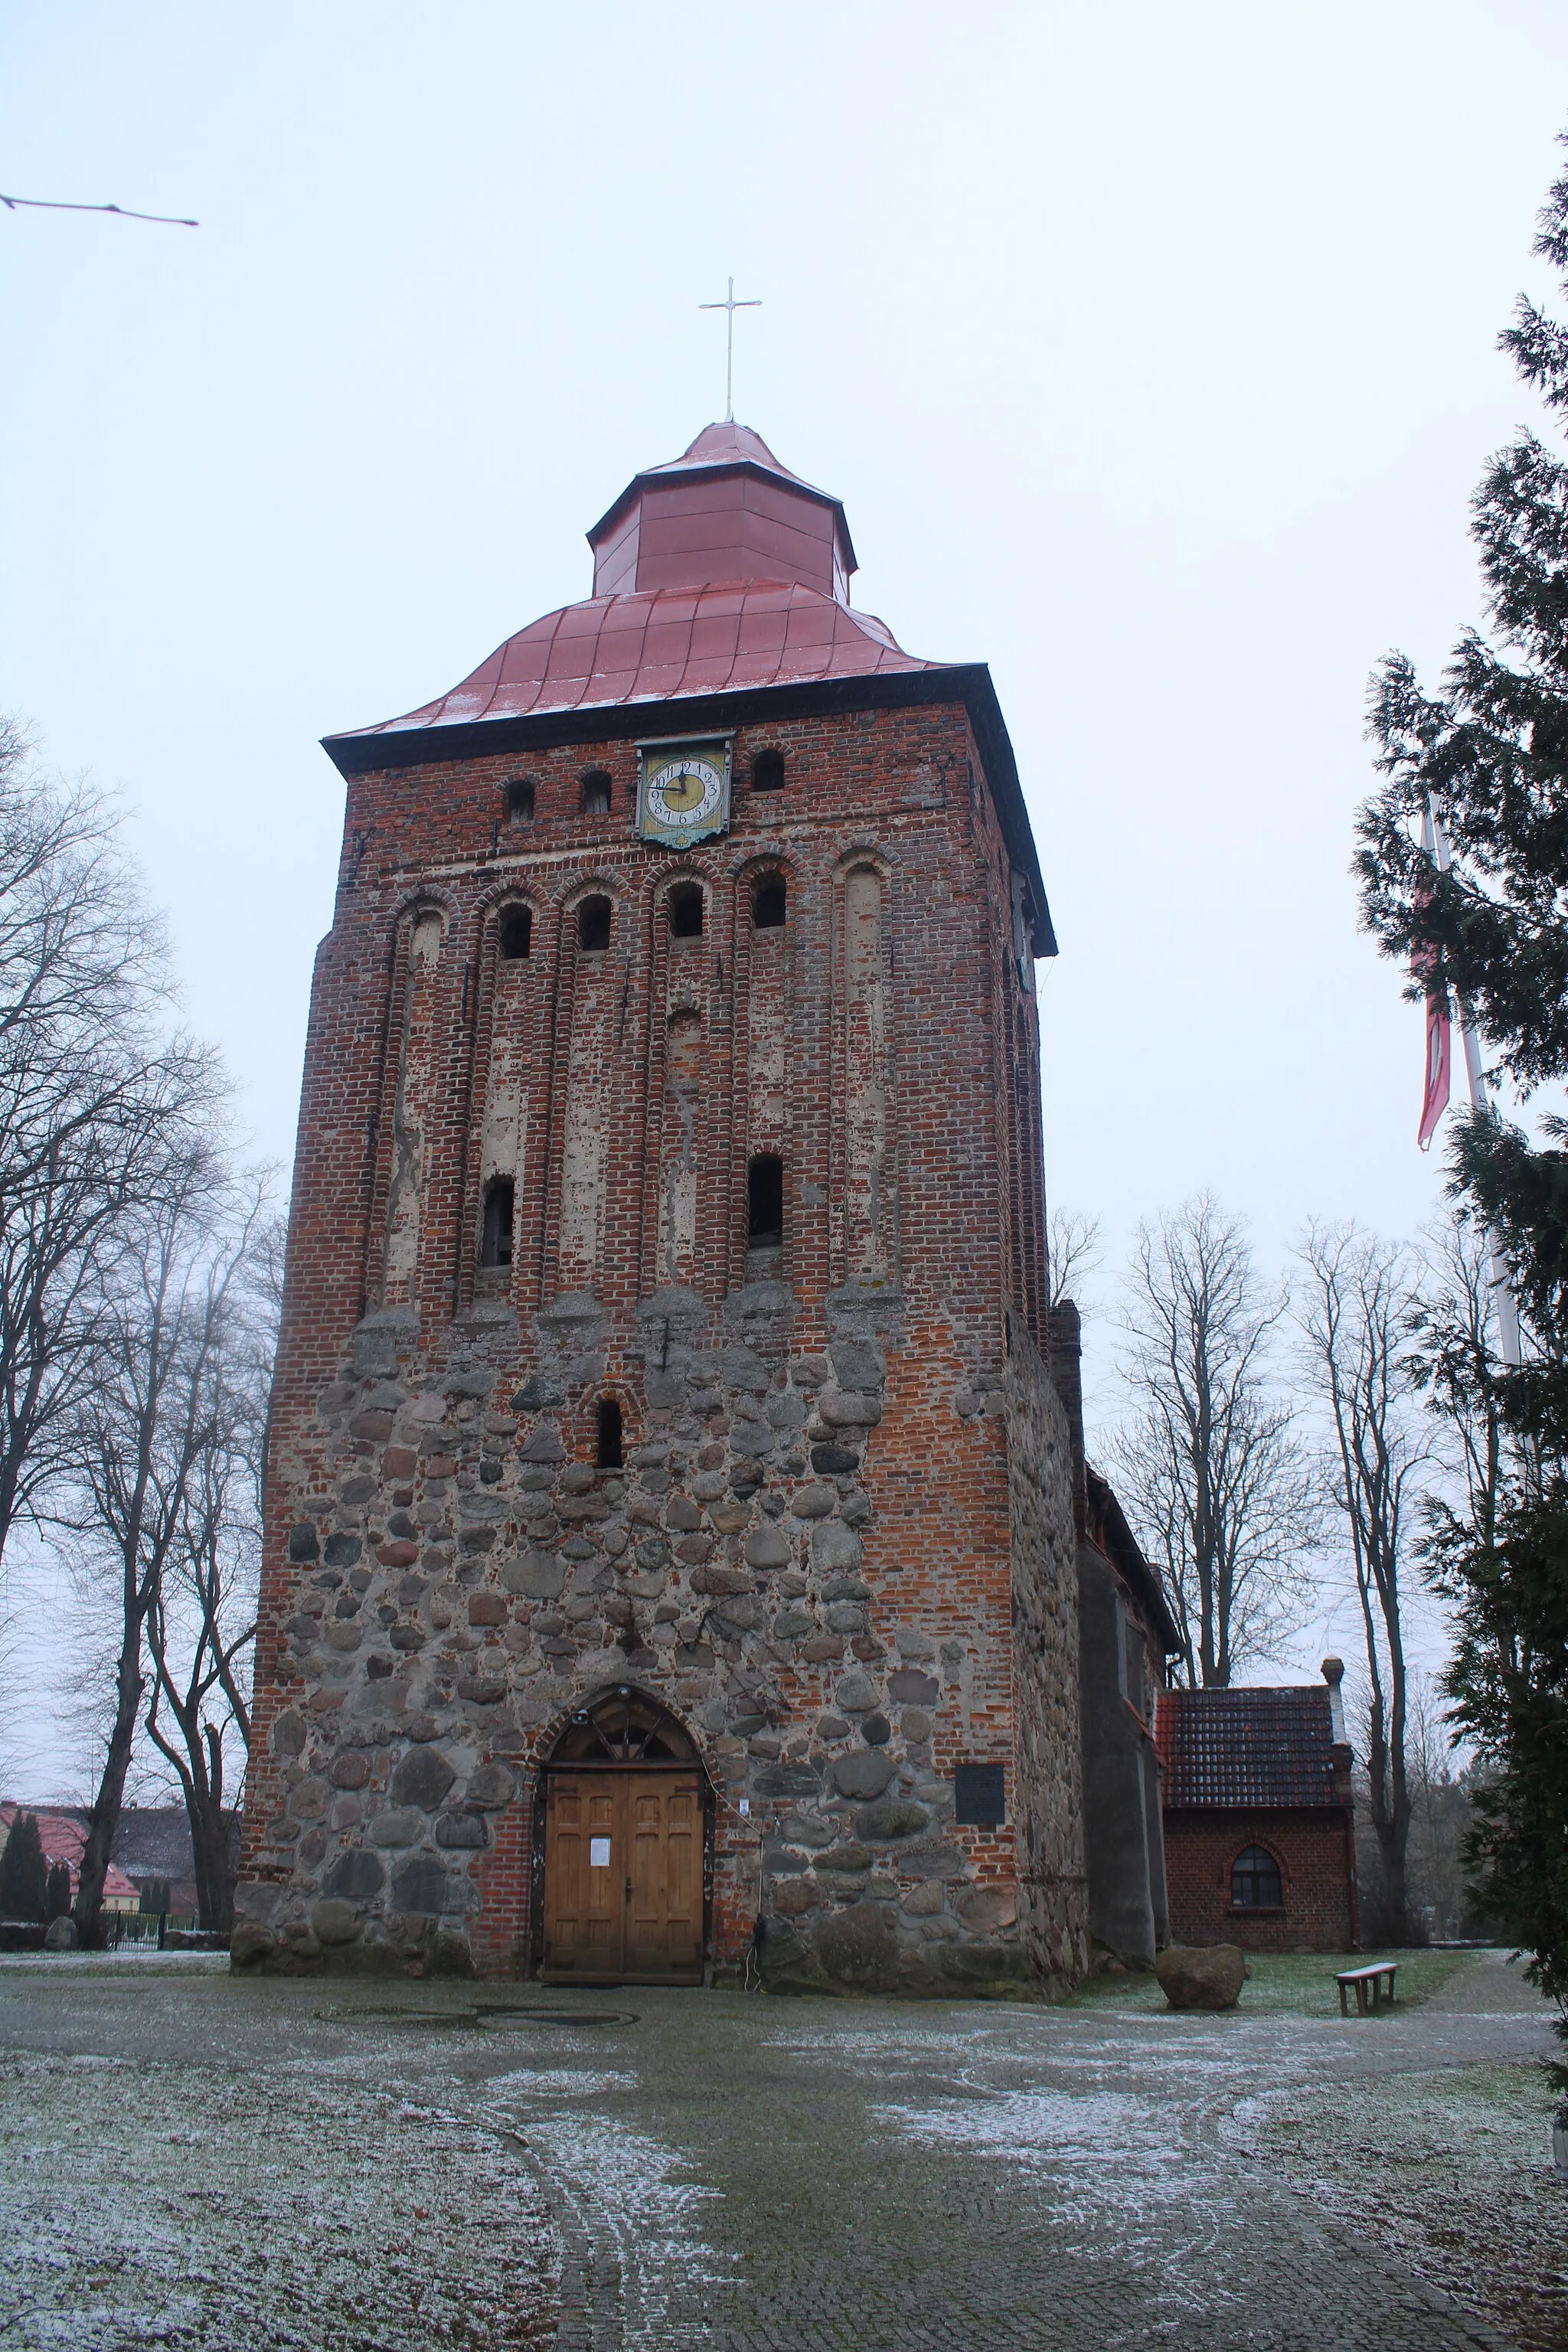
[
  {"x": 1260, "y": 1820},
  {"x": 62, "y": 1836}
]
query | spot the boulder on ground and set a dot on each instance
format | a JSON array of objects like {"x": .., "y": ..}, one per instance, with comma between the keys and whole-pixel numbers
[
  {"x": 61, "y": 1936},
  {"x": 1201, "y": 1976}
]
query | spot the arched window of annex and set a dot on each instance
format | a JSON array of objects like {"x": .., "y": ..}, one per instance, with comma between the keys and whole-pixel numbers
[
  {"x": 624, "y": 1726},
  {"x": 594, "y": 916},
  {"x": 597, "y": 790},
  {"x": 687, "y": 910},
  {"x": 1254, "y": 1881}
]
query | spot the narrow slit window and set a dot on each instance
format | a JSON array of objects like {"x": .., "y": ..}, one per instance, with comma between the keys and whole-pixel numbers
[
  {"x": 516, "y": 933},
  {"x": 1255, "y": 1882},
  {"x": 609, "y": 1455},
  {"x": 768, "y": 772},
  {"x": 764, "y": 1200},
  {"x": 595, "y": 793},
  {"x": 771, "y": 905},
  {"x": 520, "y": 800},
  {"x": 495, "y": 1246},
  {"x": 594, "y": 926},
  {"x": 686, "y": 912}
]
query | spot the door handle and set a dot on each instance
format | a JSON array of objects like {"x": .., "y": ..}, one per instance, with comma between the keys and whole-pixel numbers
[{"x": 628, "y": 1890}]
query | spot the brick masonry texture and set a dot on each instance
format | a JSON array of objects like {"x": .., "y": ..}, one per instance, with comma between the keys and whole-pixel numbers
[
  {"x": 1313, "y": 1850},
  {"x": 840, "y": 1545}
]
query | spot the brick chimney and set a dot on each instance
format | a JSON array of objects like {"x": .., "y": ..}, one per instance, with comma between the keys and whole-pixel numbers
[
  {"x": 1334, "y": 1673},
  {"x": 1065, "y": 1333}
]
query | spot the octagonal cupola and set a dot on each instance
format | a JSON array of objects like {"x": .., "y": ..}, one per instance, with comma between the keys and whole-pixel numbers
[{"x": 724, "y": 511}]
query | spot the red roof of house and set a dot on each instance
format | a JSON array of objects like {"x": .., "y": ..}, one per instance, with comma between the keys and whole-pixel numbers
[
  {"x": 63, "y": 1839},
  {"x": 1246, "y": 1747}
]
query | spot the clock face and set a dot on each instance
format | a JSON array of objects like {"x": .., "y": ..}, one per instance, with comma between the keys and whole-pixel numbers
[{"x": 684, "y": 792}]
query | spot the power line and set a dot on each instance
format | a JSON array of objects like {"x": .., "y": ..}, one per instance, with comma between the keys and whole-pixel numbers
[{"x": 51, "y": 205}]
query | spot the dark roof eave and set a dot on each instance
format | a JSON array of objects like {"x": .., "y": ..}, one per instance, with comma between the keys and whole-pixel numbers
[
  {"x": 1126, "y": 1554},
  {"x": 967, "y": 682}
]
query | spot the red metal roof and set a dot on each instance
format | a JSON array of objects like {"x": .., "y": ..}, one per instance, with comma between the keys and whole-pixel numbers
[
  {"x": 714, "y": 472},
  {"x": 654, "y": 646},
  {"x": 1246, "y": 1747}
]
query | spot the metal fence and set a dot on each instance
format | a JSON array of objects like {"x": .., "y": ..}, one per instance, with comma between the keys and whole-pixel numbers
[{"x": 146, "y": 1930}]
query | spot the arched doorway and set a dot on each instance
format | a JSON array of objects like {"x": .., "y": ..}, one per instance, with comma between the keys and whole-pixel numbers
[{"x": 625, "y": 1811}]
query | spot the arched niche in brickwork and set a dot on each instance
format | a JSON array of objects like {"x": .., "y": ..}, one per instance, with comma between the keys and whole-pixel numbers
[
  {"x": 768, "y": 1120},
  {"x": 864, "y": 1178},
  {"x": 588, "y": 1114},
  {"x": 509, "y": 1007},
  {"x": 683, "y": 1079},
  {"x": 402, "y": 1175}
]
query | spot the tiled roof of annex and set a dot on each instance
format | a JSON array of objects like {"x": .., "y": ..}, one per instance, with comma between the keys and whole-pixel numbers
[
  {"x": 654, "y": 646},
  {"x": 1246, "y": 1747}
]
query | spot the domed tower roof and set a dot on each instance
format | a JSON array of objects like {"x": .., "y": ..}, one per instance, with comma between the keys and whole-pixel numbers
[{"x": 725, "y": 510}]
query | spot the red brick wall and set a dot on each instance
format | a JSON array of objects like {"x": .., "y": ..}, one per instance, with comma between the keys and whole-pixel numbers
[{"x": 1316, "y": 1861}]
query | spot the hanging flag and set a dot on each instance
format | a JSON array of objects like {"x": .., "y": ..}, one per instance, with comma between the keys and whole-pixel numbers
[{"x": 1435, "y": 1095}]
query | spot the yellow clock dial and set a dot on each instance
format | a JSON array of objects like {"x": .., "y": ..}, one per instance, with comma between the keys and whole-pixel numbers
[
  {"x": 681, "y": 789},
  {"x": 684, "y": 792}
]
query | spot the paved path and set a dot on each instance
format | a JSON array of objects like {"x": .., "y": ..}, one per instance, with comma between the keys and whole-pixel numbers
[{"x": 715, "y": 2172}]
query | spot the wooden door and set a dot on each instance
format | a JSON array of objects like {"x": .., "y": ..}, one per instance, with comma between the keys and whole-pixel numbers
[
  {"x": 585, "y": 1910},
  {"x": 623, "y": 1877}
]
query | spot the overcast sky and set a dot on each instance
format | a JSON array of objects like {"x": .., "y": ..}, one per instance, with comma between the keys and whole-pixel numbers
[{"x": 1151, "y": 349}]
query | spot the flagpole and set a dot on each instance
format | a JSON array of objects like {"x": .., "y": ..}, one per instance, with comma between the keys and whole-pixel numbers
[{"x": 1501, "y": 1288}]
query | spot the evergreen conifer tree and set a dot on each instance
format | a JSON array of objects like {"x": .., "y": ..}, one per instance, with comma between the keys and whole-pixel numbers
[
  {"x": 24, "y": 1872},
  {"x": 1488, "y": 753},
  {"x": 58, "y": 1893}
]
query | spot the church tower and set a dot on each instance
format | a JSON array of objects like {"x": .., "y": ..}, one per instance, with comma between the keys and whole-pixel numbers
[{"x": 671, "y": 1516}]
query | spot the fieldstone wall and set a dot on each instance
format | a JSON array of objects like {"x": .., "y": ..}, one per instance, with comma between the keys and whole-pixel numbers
[
  {"x": 762, "y": 1566},
  {"x": 1052, "y": 1885}
]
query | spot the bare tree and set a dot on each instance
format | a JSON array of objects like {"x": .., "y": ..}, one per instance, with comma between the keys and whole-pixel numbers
[
  {"x": 143, "y": 1432},
  {"x": 201, "y": 1617},
  {"x": 90, "y": 1079},
  {"x": 1361, "y": 1303},
  {"x": 1072, "y": 1252},
  {"x": 1208, "y": 1466}
]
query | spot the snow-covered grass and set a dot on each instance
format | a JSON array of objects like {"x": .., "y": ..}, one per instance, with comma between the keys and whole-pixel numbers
[
  {"x": 230, "y": 2207},
  {"x": 1298, "y": 1983},
  {"x": 1449, "y": 2172}
]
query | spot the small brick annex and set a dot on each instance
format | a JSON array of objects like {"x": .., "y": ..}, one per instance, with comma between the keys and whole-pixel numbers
[
  {"x": 1254, "y": 1778},
  {"x": 837, "y": 1543}
]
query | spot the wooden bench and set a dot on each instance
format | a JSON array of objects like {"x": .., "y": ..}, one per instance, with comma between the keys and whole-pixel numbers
[{"x": 1369, "y": 1980}]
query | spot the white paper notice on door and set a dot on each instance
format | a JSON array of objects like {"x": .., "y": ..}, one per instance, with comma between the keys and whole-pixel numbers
[{"x": 598, "y": 1853}]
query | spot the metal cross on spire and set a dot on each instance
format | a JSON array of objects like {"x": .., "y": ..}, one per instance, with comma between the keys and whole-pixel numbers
[{"x": 730, "y": 306}]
